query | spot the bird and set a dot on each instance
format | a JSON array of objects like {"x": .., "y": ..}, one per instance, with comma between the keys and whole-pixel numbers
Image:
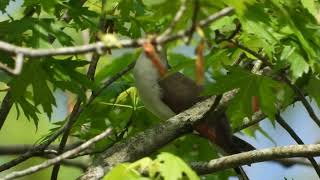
[{"x": 167, "y": 94}]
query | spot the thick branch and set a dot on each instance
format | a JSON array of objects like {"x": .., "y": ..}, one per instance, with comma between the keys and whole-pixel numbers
[
  {"x": 200, "y": 167},
  {"x": 257, "y": 156},
  {"x": 146, "y": 142}
]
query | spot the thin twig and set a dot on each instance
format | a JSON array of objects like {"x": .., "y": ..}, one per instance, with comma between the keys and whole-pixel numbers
[
  {"x": 110, "y": 81},
  {"x": 58, "y": 159},
  {"x": 196, "y": 8},
  {"x": 182, "y": 9},
  {"x": 98, "y": 46},
  {"x": 224, "y": 12},
  {"x": 5, "y": 108},
  {"x": 256, "y": 118},
  {"x": 203, "y": 23},
  {"x": 39, "y": 148},
  {"x": 17, "y": 68},
  {"x": 295, "y": 136},
  {"x": 22, "y": 148},
  {"x": 90, "y": 75},
  {"x": 264, "y": 59},
  {"x": 236, "y": 31},
  {"x": 48, "y": 154},
  {"x": 296, "y": 89},
  {"x": 303, "y": 100}
]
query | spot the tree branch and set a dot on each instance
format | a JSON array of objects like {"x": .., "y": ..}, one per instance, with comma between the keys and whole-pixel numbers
[
  {"x": 196, "y": 8},
  {"x": 45, "y": 144},
  {"x": 179, "y": 14},
  {"x": 303, "y": 100},
  {"x": 101, "y": 47},
  {"x": 110, "y": 81},
  {"x": 295, "y": 136},
  {"x": 17, "y": 68},
  {"x": 22, "y": 148},
  {"x": 203, "y": 23},
  {"x": 255, "y": 156},
  {"x": 95, "y": 47},
  {"x": 90, "y": 74},
  {"x": 39, "y": 148},
  {"x": 58, "y": 159},
  {"x": 296, "y": 89},
  {"x": 48, "y": 153},
  {"x": 148, "y": 141}
]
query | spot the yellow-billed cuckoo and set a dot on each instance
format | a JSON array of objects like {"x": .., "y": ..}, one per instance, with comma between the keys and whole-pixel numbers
[{"x": 166, "y": 96}]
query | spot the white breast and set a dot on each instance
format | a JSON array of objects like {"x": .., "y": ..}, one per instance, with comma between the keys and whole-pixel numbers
[{"x": 147, "y": 77}]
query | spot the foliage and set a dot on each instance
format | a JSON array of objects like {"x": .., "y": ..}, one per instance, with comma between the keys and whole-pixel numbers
[
  {"x": 166, "y": 166},
  {"x": 285, "y": 33}
]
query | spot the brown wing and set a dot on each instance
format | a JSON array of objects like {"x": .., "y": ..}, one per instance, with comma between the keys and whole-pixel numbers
[{"x": 179, "y": 92}]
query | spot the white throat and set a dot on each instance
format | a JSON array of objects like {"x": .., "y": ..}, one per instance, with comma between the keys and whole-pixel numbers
[{"x": 147, "y": 77}]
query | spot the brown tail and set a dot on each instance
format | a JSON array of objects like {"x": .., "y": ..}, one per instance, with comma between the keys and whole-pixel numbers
[
  {"x": 241, "y": 145},
  {"x": 216, "y": 128}
]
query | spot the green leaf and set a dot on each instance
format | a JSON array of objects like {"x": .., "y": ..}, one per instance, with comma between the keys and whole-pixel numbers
[
  {"x": 234, "y": 79},
  {"x": 34, "y": 32},
  {"x": 48, "y": 6},
  {"x": 131, "y": 93},
  {"x": 41, "y": 90},
  {"x": 116, "y": 65},
  {"x": 268, "y": 89},
  {"x": 298, "y": 65},
  {"x": 29, "y": 110},
  {"x": 311, "y": 6},
  {"x": 192, "y": 148},
  {"x": 240, "y": 107},
  {"x": 172, "y": 167},
  {"x": 249, "y": 86},
  {"x": 122, "y": 171},
  {"x": 67, "y": 67},
  {"x": 180, "y": 62},
  {"x": 254, "y": 19},
  {"x": 34, "y": 75},
  {"x": 313, "y": 89},
  {"x": 3, "y": 5},
  {"x": 166, "y": 166}
]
